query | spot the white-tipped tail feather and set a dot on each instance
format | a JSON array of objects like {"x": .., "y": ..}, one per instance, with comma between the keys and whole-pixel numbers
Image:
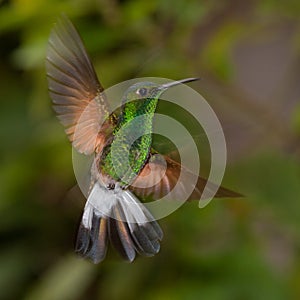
[{"x": 118, "y": 215}]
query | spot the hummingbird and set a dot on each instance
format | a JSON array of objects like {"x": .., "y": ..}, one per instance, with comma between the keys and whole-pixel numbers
[{"x": 113, "y": 211}]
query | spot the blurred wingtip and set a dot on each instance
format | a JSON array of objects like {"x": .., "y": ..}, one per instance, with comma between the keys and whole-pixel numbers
[{"x": 227, "y": 193}]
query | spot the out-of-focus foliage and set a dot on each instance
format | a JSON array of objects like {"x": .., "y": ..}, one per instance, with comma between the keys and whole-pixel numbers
[{"x": 248, "y": 54}]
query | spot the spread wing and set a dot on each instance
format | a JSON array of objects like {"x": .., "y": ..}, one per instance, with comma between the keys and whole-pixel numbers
[
  {"x": 161, "y": 174},
  {"x": 74, "y": 88}
]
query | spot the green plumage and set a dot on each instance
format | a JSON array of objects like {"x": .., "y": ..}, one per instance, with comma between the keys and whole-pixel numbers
[{"x": 126, "y": 155}]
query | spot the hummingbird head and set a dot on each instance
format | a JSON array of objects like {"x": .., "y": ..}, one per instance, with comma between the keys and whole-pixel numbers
[
  {"x": 142, "y": 98},
  {"x": 142, "y": 90},
  {"x": 150, "y": 90}
]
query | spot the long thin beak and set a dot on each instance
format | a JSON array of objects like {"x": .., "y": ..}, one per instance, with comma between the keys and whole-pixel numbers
[{"x": 173, "y": 83}]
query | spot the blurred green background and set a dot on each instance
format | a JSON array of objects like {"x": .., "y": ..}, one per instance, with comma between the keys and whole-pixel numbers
[{"x": 248, "y": 54}]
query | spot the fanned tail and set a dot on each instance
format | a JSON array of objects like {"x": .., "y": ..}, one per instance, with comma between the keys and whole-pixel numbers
[{"x": 118, "y": 216}]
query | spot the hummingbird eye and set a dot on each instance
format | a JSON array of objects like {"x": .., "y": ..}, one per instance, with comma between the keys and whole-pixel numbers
[{"x": 142, "y": 91}]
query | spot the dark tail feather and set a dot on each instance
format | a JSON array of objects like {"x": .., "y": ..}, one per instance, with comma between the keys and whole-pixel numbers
[
  {"x": 119, "y": 235},
  {"x": 145, "y": 235},
  {"x": 92, "y": 243},
  {"x": 129, "y": 225}
]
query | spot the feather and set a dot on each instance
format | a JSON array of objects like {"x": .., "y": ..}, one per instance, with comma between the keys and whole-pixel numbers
[
  {"x": 165, "y": 176},
  {"x": 119, "y": 216},
  {"x": 77, "y": 95}
]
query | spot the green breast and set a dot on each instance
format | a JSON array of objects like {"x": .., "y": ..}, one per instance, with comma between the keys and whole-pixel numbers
[{"x": 128, "y": 152}]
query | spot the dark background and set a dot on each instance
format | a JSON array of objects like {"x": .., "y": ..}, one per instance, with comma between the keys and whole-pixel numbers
[{"x": 248, "y": 54}]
